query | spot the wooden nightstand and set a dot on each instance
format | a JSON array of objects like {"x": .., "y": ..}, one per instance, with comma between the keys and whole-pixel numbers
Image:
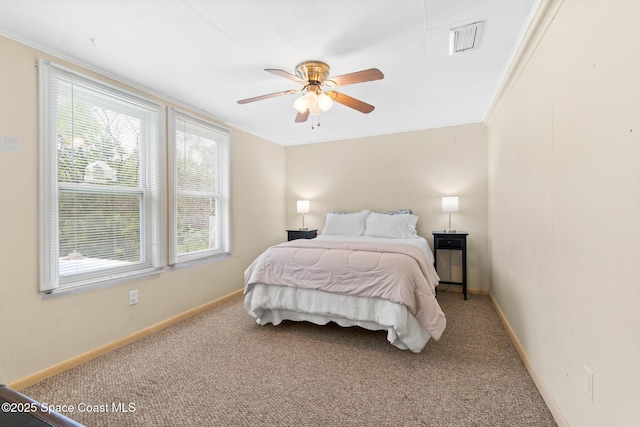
[
  {"x": 454, "y": 241},
  {"x": 301, "y": 234}
]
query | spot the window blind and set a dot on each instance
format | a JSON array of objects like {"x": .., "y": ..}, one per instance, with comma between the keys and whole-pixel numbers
[
  {"x": 100, "y": 198},
  {"x": 199, "y": 188}
]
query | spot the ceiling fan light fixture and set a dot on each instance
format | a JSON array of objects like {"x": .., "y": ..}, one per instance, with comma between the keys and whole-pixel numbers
[
  {"x": 315, "y": 110},
  {"x": 324, "y": 101},
  {"x": 300, "y": 105},
  {"x": 310, "y": 98}
]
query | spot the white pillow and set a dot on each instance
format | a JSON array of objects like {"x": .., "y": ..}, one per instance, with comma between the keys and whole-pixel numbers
[
  {"x": 352, "y": 224},
  {"x": 393, "y": 226}
]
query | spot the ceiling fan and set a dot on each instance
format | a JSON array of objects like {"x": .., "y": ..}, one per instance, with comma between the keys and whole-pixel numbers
[{"x": 313, "y": 75}]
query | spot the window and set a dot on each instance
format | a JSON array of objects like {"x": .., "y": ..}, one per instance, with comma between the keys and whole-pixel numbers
[
  {"x": 199, "y": 189},
  {"x": 104, "y": 192},
  {"x": 100, "y": 183}
]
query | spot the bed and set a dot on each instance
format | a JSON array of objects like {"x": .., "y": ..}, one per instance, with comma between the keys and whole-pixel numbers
[{"x": 366, "y": 269}]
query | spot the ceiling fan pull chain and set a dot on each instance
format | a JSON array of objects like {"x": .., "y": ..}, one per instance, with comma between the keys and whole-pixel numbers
[{"x": 317, "y": 122}]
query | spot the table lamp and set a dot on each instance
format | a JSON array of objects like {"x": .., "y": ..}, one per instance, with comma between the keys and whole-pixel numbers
[
  {"x": 449, "y": 205},
  {"x": 303, "y": 208}
]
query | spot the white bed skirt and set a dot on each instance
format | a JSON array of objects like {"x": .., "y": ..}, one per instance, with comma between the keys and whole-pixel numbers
[{"x": 273, "y": 304}]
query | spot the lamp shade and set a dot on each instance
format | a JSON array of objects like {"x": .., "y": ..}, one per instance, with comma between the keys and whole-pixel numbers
[
  {"x": 315, "y": 110},
  {"x": 303, "y": 206},
  {"x": 450, "y": 204},
  {"x": 324, "y": 101},
  {"x": 310, "y": 98},
  {"x": 300, "y": 105}
]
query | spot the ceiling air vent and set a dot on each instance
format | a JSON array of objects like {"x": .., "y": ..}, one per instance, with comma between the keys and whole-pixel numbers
[{"x": 465, "y": 37}]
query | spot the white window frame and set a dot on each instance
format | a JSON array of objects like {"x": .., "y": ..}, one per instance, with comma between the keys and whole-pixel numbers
[
  {"x": 152, "y": 252},
  {"x": 220, "y": 196}
]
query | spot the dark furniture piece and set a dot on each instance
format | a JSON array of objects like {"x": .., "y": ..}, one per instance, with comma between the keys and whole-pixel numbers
[
  {"x": 19, "y": 410},
  {"x": 454, "y": 241},
  {"x": 301, "y": 234}
]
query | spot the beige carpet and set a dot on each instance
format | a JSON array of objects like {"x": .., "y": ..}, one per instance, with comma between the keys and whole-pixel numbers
[{"x": 221, "y": 369}]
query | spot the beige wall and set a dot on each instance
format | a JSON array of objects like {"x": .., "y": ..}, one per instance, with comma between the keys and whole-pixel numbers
[
  {"x": 35, "y": 333},
  {"x": 564, "y": 202},
  {"x": 406, "y": 170}
]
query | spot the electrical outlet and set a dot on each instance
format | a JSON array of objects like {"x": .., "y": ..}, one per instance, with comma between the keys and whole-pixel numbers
[
  {"x": 133, "y": 297},
  {"x": 588, "y": 382}
]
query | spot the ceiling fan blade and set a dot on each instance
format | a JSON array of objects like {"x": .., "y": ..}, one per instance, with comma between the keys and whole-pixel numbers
[
  {"x": 357, "y": 77},
  {"x": 270, "y": 95},
  {"x": 351, "y": 102},
  {"x": 302, "y": 117},
  {"x": 286, "y": 75}
]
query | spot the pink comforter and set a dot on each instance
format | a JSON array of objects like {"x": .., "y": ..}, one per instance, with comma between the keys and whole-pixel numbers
[{"x": 396, "y": 272}]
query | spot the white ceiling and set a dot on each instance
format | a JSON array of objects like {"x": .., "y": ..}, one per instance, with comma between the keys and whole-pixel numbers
[{"x": 208, "y": 54}]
